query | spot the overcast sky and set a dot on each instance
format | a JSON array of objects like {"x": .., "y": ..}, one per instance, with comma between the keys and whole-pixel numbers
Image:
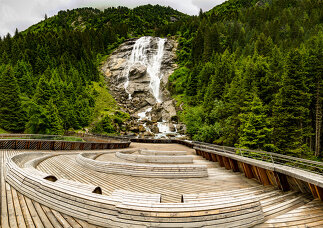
[{"x": 23, "y": 13}]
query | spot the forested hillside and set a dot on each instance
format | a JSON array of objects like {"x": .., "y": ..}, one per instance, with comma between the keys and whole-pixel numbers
[
  {"x": 50, "y": 80},
  {"x": 250, "y": 75},
  {"x": 250, "y": 72}
]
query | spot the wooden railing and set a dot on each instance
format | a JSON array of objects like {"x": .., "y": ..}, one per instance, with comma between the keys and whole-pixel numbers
[
  {"x": 56, "y": 142},
  {"x": 274, "y": 158}
]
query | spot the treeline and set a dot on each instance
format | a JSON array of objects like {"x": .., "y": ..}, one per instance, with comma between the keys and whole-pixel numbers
[
  {"x": 49, "y": 73},
  {"x": 252, "y": 79}
]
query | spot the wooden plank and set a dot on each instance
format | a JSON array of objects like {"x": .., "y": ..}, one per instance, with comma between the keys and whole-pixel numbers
[
  {"x": 255, "y": 172},
  {"x": 51, "y": 217},
  {"x": 19, "y": 214},
  {"x": 319, "y": 192},
  {"x": 281, "y": 181},
  {"x": 313, "y": 190},
  {"x": 234, "y": 165},
  {"x": 214, "y": 157},
  {"x": 34, "y": 214},
  {"x": 25, "y": 211},
  {"x": 219, "y": 158},
  {"x": 226, "y": 163},
  {"x": 208, "y": 156},
  {"x": 4, "y": 208},
  {"x": 11, "y": 208},
  {"x": 263, "y": 176},
  {"x": 271, "y": 177},
  {"x": 42, "y": 215},
  {"x": 247, "y": 170}
]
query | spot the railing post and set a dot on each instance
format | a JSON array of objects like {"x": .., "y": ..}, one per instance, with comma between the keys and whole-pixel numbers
[{"x": 272, "y": 159}]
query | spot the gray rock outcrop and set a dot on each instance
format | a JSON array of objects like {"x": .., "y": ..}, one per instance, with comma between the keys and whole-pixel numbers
[{"x": 119, "y": 72}]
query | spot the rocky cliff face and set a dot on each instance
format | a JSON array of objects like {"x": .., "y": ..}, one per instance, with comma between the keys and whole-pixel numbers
[{"x": 138, "y": 72}]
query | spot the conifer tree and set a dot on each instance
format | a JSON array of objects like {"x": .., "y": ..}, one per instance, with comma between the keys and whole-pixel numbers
[
  {"x": 12, "y": 116},
  {"x": 54, "y": 121},
  {"x": 291, "y": 108},
  {"x": 254, "y": 131}
]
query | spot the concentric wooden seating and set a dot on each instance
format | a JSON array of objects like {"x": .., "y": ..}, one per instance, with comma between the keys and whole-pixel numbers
[
  {"x": 145, "y": 170},
  {"x": 155, "y": 158},
  {"x": 53, "y": 190},
  {"x": 128, "y": 209},
  {"x": 165, "y": 153}
]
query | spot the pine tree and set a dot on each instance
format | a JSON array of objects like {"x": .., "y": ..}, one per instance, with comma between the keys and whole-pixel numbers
[
  {"x": 12, "y": 116},
  {"x": 291, "y": 108},
  {"x": 254, "y": 131},
  {"x": 54, "y": 121}
]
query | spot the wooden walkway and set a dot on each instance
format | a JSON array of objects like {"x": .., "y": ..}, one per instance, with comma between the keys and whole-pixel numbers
[{"x": 281, "y": 209}]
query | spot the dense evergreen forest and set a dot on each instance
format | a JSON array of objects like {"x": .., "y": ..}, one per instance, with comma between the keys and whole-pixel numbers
[
  {"x": 50, "y": 81},
  {"x": 249, "y": 75}
]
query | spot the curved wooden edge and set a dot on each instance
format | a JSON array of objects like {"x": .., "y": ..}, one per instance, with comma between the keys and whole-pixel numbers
[
  {"x": 128, "y": 209},
  {"x": 143, "y": 170},
  {"x": 155, "y": 158}
]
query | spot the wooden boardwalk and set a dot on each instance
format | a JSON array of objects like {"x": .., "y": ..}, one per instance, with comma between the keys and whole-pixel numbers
[{"x": 281, "y": 209}]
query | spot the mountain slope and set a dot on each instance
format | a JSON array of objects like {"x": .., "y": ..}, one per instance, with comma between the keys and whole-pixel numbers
[
  {"x": 251, "y": 75},
  {"x": 55, "y": 64}
]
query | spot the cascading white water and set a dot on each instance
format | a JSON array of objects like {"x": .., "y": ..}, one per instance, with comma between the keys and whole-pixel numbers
[
  {"x": 140, "y": 54},
  {"x": 153, "y": 63},
  {"x": 154, "y": 70}
]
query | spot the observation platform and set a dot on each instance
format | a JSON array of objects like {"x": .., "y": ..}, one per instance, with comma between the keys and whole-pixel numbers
[{"x": 47, "y": 188}]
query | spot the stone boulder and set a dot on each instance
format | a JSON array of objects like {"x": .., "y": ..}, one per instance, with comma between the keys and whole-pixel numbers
[{"x": 137, "y": 71}]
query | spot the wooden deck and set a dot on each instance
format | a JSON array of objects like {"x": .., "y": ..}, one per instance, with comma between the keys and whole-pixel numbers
[{"x": 281, "y": 209}]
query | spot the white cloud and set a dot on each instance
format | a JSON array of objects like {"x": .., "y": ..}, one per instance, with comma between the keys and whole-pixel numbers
[{"x": 23, "y": 13}]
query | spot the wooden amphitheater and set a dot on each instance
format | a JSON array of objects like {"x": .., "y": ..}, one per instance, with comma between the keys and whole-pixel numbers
[{"x": 132, "y": 182}]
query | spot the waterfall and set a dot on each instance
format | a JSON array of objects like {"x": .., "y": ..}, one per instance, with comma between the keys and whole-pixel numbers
[
  {"x": 147, "y": 54},
  {"x": 139, "y": 54},
  {"x": 154, "y": 70}
]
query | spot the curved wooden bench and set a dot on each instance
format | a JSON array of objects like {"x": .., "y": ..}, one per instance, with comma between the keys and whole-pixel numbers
[
  {"x": 124, "y": 209},
  {"x": 126, "y": 196},
  {"x": 109, "y": 211},
  {"x": 165, "y": 159},
  {"x": 160, "y": 153},
  {"x": 143, "y": 170}
]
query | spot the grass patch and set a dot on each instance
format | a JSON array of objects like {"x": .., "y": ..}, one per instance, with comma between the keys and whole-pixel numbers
[
  {"x": 44, "y": 137},
  {"x": 104, "y": 102},
  {"x": 3, "y": 131}
]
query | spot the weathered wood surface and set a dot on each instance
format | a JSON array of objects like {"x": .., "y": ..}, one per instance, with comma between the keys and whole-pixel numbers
[
  {"x": 281, "y": 209},
  {"x": 77, "y": 200},
  {"x": 34, "y": 144},
  {"x": 142, "y": 169}
]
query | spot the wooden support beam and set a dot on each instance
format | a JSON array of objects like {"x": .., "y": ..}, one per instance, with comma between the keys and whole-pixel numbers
[
  {"x": 263, "y": 176},
  {"x": 214, "y": 157},
  {"x": 255, "y": 172},
  {"x": 270, "y": 176},
  {"x": 208, "y": 156},
  {"x": 226, "y": 163},
  {"x": 313, "y": 190},
  {"x": 219, "y": 158},
  {"x": 203, "y": 154},
  {"x": 247, "y": 170},
  {"x": 281, "y": 181},
  {"x": 234, "y": 165},
  {"x": 319, "y": 192}
]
